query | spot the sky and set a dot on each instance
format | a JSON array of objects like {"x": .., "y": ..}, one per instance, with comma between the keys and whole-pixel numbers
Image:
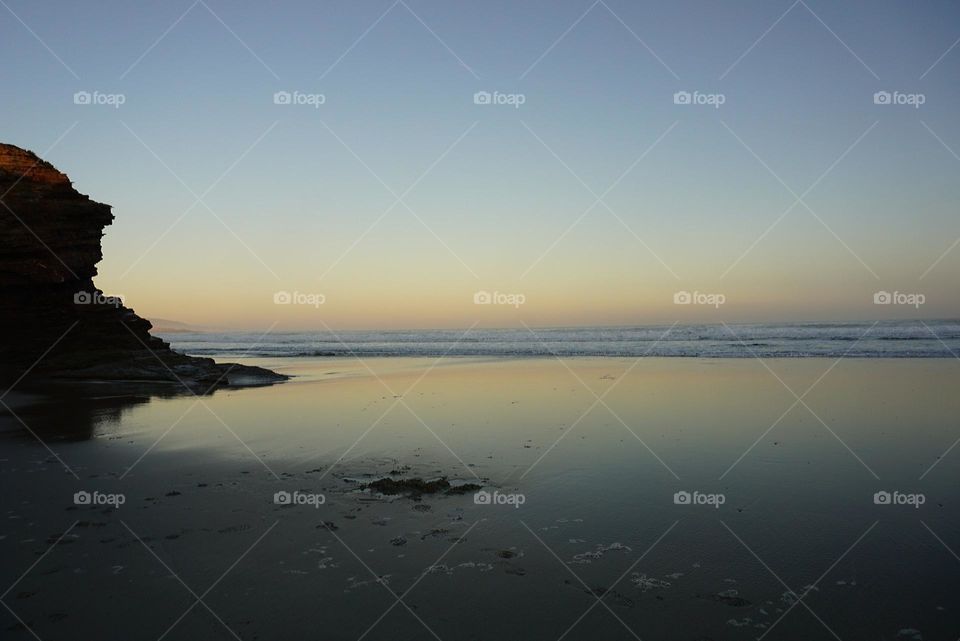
[{"x": 588, "y": 190}]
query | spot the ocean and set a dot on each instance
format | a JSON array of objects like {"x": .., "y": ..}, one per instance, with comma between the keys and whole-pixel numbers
[{"x": 885, "y": 339}]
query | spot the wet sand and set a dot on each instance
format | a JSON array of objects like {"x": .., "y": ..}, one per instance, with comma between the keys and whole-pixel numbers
[{"x": 582, "y": 537}]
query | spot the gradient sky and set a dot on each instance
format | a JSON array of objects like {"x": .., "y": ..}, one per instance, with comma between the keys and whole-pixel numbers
[{"x": 504, "y": 186}]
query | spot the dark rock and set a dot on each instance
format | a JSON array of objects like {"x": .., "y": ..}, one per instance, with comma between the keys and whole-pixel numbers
[
  {"x": 51, "y": 246},
  {"x": 415, "y": 487}
]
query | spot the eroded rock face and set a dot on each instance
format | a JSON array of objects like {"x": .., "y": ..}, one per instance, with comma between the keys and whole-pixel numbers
[{"x": 53, "y": 320}]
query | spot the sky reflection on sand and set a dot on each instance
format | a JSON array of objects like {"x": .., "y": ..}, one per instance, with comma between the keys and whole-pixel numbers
[{"x": 597, "y": 492}]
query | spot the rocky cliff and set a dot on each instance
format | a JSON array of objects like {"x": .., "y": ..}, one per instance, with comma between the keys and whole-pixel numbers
[{"x": 53, "y": 321}]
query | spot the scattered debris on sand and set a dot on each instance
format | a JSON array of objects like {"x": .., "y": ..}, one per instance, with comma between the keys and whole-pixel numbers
[{"x": 417, "y": 487}]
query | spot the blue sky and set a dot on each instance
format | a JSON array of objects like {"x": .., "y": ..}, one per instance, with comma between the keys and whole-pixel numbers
[{"x": 297, "y": 196}]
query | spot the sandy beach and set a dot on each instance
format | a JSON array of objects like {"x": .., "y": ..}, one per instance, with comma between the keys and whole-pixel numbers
[{"x": 245, "y": 513}]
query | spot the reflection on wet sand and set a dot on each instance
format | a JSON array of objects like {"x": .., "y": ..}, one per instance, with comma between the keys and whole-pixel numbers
[
  {"x": 70, "y": 411},
  {"x": 669, "y": 501}
]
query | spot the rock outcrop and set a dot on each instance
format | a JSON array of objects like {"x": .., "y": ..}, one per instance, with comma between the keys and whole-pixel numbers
[{"x": 53, "y": 321}]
